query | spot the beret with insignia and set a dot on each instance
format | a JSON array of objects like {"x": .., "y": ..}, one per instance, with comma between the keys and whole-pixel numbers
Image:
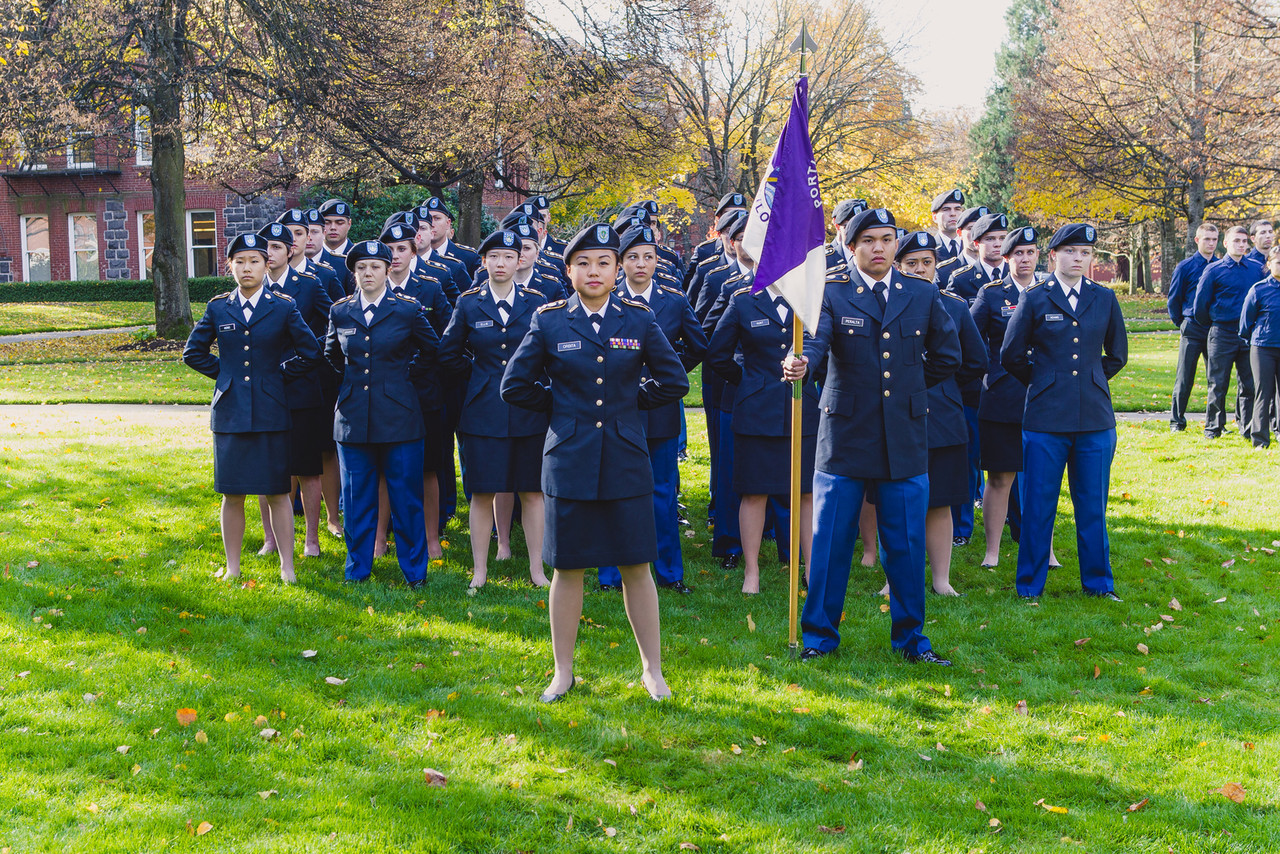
[
  {"x": 247, "y": 242},
  {"x": 501, "y": 239},
  {"x": 916, "y": 241},
  {"x": 873, "y": 218},
  {"x": 335, "y": 207},
  {"x": 1073, "y": 234},
  {"x": 950, "y": 197},
  {"x": 972, "y": 215},
  {"x": 597, "y": 236},
  {"x": 1025, "y": 236},
  {"x": 368, "y": 249},
  {"x": 985, "y": 225},
  {"x": 277, "y": 232}
]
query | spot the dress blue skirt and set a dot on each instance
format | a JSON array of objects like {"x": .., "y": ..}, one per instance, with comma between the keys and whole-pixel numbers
[
  {"x": 587, "y": 534},
  {"x": 310, "y": 435},
  {"x": 1000, "y": 446},
  {"x": 948, "y": 475},
  {"x": 251, "y": 463},
  {"x": 762, "y": 464},
  {"x": 502, "y": 465}
]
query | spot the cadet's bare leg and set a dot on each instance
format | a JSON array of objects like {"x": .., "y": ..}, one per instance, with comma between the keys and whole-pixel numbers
[{"x": 640, "y": 598}]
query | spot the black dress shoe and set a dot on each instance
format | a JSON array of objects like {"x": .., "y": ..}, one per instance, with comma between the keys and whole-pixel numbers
[
  {"x": 730, "y": 561},
  {"x": 1177, "y": 428},
  {"x": 356, "y": 580},
  {"x": 928, "y": 657},
  {"x": 604, "y": 586},
  {"x": 1110, "y": 594},
  {"x": 555, "y": 698},
  {"x": 810, "y": 653},
  {"x": 960, "y": 541},
  {"x": 677, "y": 586},
  {"x": 415, "y": 585}
]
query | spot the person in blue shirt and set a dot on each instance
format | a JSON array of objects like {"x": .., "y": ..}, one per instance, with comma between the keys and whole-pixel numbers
[
  {"x": 887, "y": 338},
  {"x": 1219, "y": 299},
  {"x": 502, "y": 442},
  {"x": 583, "y": 361},
  {"x": 1065, "y": 341},
  {"x": 1193, "y": 340},
  {"x": 1260, "y": 326},
  {"x": 1262, "y": 234},
  {"x": 255, "y": 331}
]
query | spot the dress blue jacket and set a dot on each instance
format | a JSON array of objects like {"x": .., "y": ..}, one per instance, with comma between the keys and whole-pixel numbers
[
  {"x": 469, "y": 257},
  {"x": 477, "y": 342},
  {"x": 1182, "y": 286},
  {"x": 1004, "y": 396},
  {"x": 1223, "y": 284},
  {"x": 429, "y": 293},
  {"x": 747, "y": 349},
  {"x": 1066, "y": 357},
  {"x": 675, "y": 317},
  {"x": 255, "y": 360},
  {"x": 377, "y": 402},
  {"x": 968, "y": 280},
  {"x": 328, "y": 278},
  {"x": 1260, "y": 317},
  {"x": 947, "y": 425},
  {"x": 596, "y": 448},
  {"x": 875, "y": 397},
  {"x": 313, "y": 304}
]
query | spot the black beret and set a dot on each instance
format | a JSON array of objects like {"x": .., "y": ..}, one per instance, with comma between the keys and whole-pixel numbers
[
  {"x": 366, "y": 249},
  {"x": 972, "y": 215},
  {"x": 335, "y": 207},
  {"x": 540, "y": 202},
  {"x": 990, "y": 222},
  {"x": 503, "y": 238},
  {"x": 731, "y": 200},
  {"x": 525, "y": 230},
  {"x": 247, "y": 242},
  {"x": 726, "y": 221},
  {"x": 278, "y": 232},
  {"x": 1025, "y": 236},
  {"x": 293, "y": 216},
  {"x": 916, "y": 241},
  {"x": 597, "y": 236},
  {"x": 635, "y": 212},
  {"x": 847, "y": 210},
  {"x": 1073, "y": 234},
  {"x": 648, "y": 205},
  {"x": 432, "y": 204},
  {"x": 947, "y": 198},
  {"x": 873, "y": 218},
  {"x": 738, "y": 226},
  {"x": 530, "y": 210},
  {"x": 312, "y": 217},
  {"x": 641, "y": 235},
  {"x": 397, "y": 232},
  {"x": 624, "y": 224},
  {"x": 409, "y": 218},
  {"x": 515, "y": 218}
]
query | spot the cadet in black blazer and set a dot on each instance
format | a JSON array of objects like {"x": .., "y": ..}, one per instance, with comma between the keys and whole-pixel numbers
[
  {"x": 583, "y": 360},
  {"x": 750, "y": 339},
  {"x": 310, "y": 421},
  {"x": 887, "y": 338},
  {"x": 375, "y": 338},
  {"x": 1066, "y": 340},
  {"x": 262, "y": 343},
  {"x": 502, "y": 443}
]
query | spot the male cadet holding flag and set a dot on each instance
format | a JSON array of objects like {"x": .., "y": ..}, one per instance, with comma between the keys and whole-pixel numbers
[
  {"x": 946, "y": 209},
  {"x": 887, "y": 338}
]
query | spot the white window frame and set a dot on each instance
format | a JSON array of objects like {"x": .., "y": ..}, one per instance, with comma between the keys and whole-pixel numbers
[
  {"x": 191, "y": 247},
  {"x": 72, "y": 162},
  {"x": 143, "y": 271},
  {"x": 141, "y": 128},
  {"x": 74, "y": 265},
  {"x": 26, "y": 261}
]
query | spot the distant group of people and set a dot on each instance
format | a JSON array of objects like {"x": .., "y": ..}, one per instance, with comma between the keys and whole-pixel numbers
[
  {"x": 560, "y": 369},
  {"x": 1227, "y": 311}
]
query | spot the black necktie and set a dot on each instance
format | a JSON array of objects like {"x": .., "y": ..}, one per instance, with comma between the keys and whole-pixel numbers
[
  {"x": 880, "y": 289},
  {"x": 1073, "y": 298},
  {"x": 248, "y": 311},
  {"x": 503, "y": 314},
  {"x": 595, "y": 323}
]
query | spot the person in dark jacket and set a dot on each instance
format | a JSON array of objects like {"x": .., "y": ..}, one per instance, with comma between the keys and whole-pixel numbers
[
  {"x": 582, "y": 361},
  {"x": 1260, "y": 326},
  {"x": 376, "y": 340},
  {"x": 502, "y": 442},
  {"x": 1193, "y": 336},
  {"x": 254, "y": 330},
  {"x": 1219, "y": 300},
  {"x": 1065, "y": 341}
]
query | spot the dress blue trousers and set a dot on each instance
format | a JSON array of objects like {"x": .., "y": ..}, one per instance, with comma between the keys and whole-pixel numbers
[
  {"x": 401, "y": 464},
  {"x": 1087, "y": 459},
  {"x": 727, "y": 539},
  {"x": 712, "y": 414},
  {"x": 901, "y": 508},
  {"x": 962, "y": 514},
  {"x": 669, "y": 566}
]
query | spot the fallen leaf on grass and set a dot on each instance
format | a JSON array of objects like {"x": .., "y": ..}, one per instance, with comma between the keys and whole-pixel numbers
[
  {"x": 1168, "y": 560},
  {"x": 334, "y": 680},
  {"x": 1083, "y": 641},
  {"x": 268, "y": 734},
  {"x": 510, "y": 740},
  {"x": 1139, "y": 805},
  {"x": 122, "y": 749},
  {"x": 611, "y": 762},
  {"x": 1142, "y": 648},
  {"x": 839, "y": 828},
  {"x": 884, "y": 608},
  {"x": 924, "y": 757},
  {"x": 1021, "y": 708},
  {"x": 760, "y": 742},
  {"x": 33, "y": 564},
  {"x": 1232, "y": 792},
  {"x": 1228, "y": 564},
  {"x": 1051, "y": 808},
  {"x": 1097, "y": 671},
  {"x": 186, "y": 717},
  {"x": 93, "y": 808},
  {"x": 432, "y": 777},
  {"x": 735, "y": 750},
  {"x": 202, "y": 828},
  {"x": 201, "y": 738},
  {"x": 611, "y": 832},
  {"x": 308, "y": 653},
  {"x": 260, "y": 721},
  {"x": 133, "y": 772},
  {"x": 1248, "y": 745},
  {"x": 995, "y": 822},
  {"x": 689, "y": 846},
  {"x": 268, "y": 793},
  {"x": 1219, "y": 601},
  {"x": 1175, "y": 604}
]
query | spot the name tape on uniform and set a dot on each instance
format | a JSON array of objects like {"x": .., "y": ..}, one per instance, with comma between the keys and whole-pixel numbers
[
  {"x": 483, "y": 324},
  {"x": 852, "y": 321},
  {"x": 568, "y": 345}
]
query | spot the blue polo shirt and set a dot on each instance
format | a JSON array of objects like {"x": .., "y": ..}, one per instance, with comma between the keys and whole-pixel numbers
[
  {"x": 1182, "y": 286},
  {"x": 1260, "y": 317},
  {"x": 1223, "y": 285}
]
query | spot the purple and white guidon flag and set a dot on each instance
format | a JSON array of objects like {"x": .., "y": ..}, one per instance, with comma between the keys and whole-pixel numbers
[{"x": 785, "y": 230}]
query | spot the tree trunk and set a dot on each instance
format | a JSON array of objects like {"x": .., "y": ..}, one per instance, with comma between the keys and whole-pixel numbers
[
  {"x": 1170, "y": 250},
  {"x": 168, "y": 187},
  {"x": 470, "y": 198}
]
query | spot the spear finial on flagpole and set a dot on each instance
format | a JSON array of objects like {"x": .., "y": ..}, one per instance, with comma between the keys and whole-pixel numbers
[{"x": 804, "y": 44}]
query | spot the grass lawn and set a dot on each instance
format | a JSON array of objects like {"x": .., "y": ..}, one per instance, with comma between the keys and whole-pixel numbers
[
  {"x": 1145, "y": 312},
  {"x": 1134, "y": 713}
]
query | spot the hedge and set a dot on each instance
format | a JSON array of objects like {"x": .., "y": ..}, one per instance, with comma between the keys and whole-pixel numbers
[{"x": 113, "y": 290}]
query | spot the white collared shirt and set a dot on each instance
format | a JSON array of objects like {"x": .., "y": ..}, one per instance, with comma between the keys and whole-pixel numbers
[
  {"x": 301, "y": 266},
  {"x": 251, "y": 302},
  {"x": 871, "y": 283},
  {"x": 365, "y": 305},
  {"x": 1066, "y": 290},
  {"x": 644, "y": 295}
]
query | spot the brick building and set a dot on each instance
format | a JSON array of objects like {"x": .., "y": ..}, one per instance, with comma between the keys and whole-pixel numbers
[{"x": 85, "y": 213}]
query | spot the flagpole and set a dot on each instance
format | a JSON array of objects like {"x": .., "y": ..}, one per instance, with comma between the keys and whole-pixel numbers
[{"x": 797, "y": 399}]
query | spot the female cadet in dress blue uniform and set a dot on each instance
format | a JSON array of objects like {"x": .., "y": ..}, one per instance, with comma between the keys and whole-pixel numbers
[
  {"x": 1066, "y": 340},
  {"x": 1260, "y": 326},
  {"x": 948, "y": 432},
  {"x": 639, "y": 250},
  {"x": 502, "y": 443},
  {"x": 254, "y": 330},
  {"x": 591, "y": 350},
  {"x": 375, "y": 337},
  {"x": 751, "y": 338},
  {"x": 310, "y": 422}
]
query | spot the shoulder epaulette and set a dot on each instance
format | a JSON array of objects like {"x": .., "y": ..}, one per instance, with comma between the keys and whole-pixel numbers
[
  {"x": 705, "y": 242},
  {"x": 671, "y": 290},
  {"x": 838, "y": 274},
  {"x": 221, "y": 296},
  {"x": 635, "y": 303},
  {"x": 465, "y": 246},
  {"x": 283, "y": 295},
  {"x": 405, "y": 297},
  {"x": 998, "y": 283},
  {"x": 709, "y": 259},
  {"x": 431, "y": 262},
  {"x": 345, "y": 299},
  {"x": 745, "y": 290},
  {"x": 474, "y": 290},
  {"x": 966, "y": 268},
  {"x": 560, "y": 303},
  {"x": 1034, "y": 286},
  {"x": 948, "y": 261},
  {"x": 839, "y": 265},
  {"x": 951, "y": 294}
]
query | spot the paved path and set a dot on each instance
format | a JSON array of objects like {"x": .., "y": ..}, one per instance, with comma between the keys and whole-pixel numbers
[{"x": 70, "y": 333}]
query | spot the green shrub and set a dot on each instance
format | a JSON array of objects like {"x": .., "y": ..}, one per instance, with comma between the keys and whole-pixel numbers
[{"x": 116, "y": 290}]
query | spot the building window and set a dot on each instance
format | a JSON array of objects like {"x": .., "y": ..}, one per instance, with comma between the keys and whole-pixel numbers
[
  {"x": 142, "y": 136},
  {"x": 80, "y": 151},
  {"x": 35, "y": 249},
  {"x": 146, "y": 241},
  {"x": 83, "y": 230},
  {"x": 202, "y": 244}
]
